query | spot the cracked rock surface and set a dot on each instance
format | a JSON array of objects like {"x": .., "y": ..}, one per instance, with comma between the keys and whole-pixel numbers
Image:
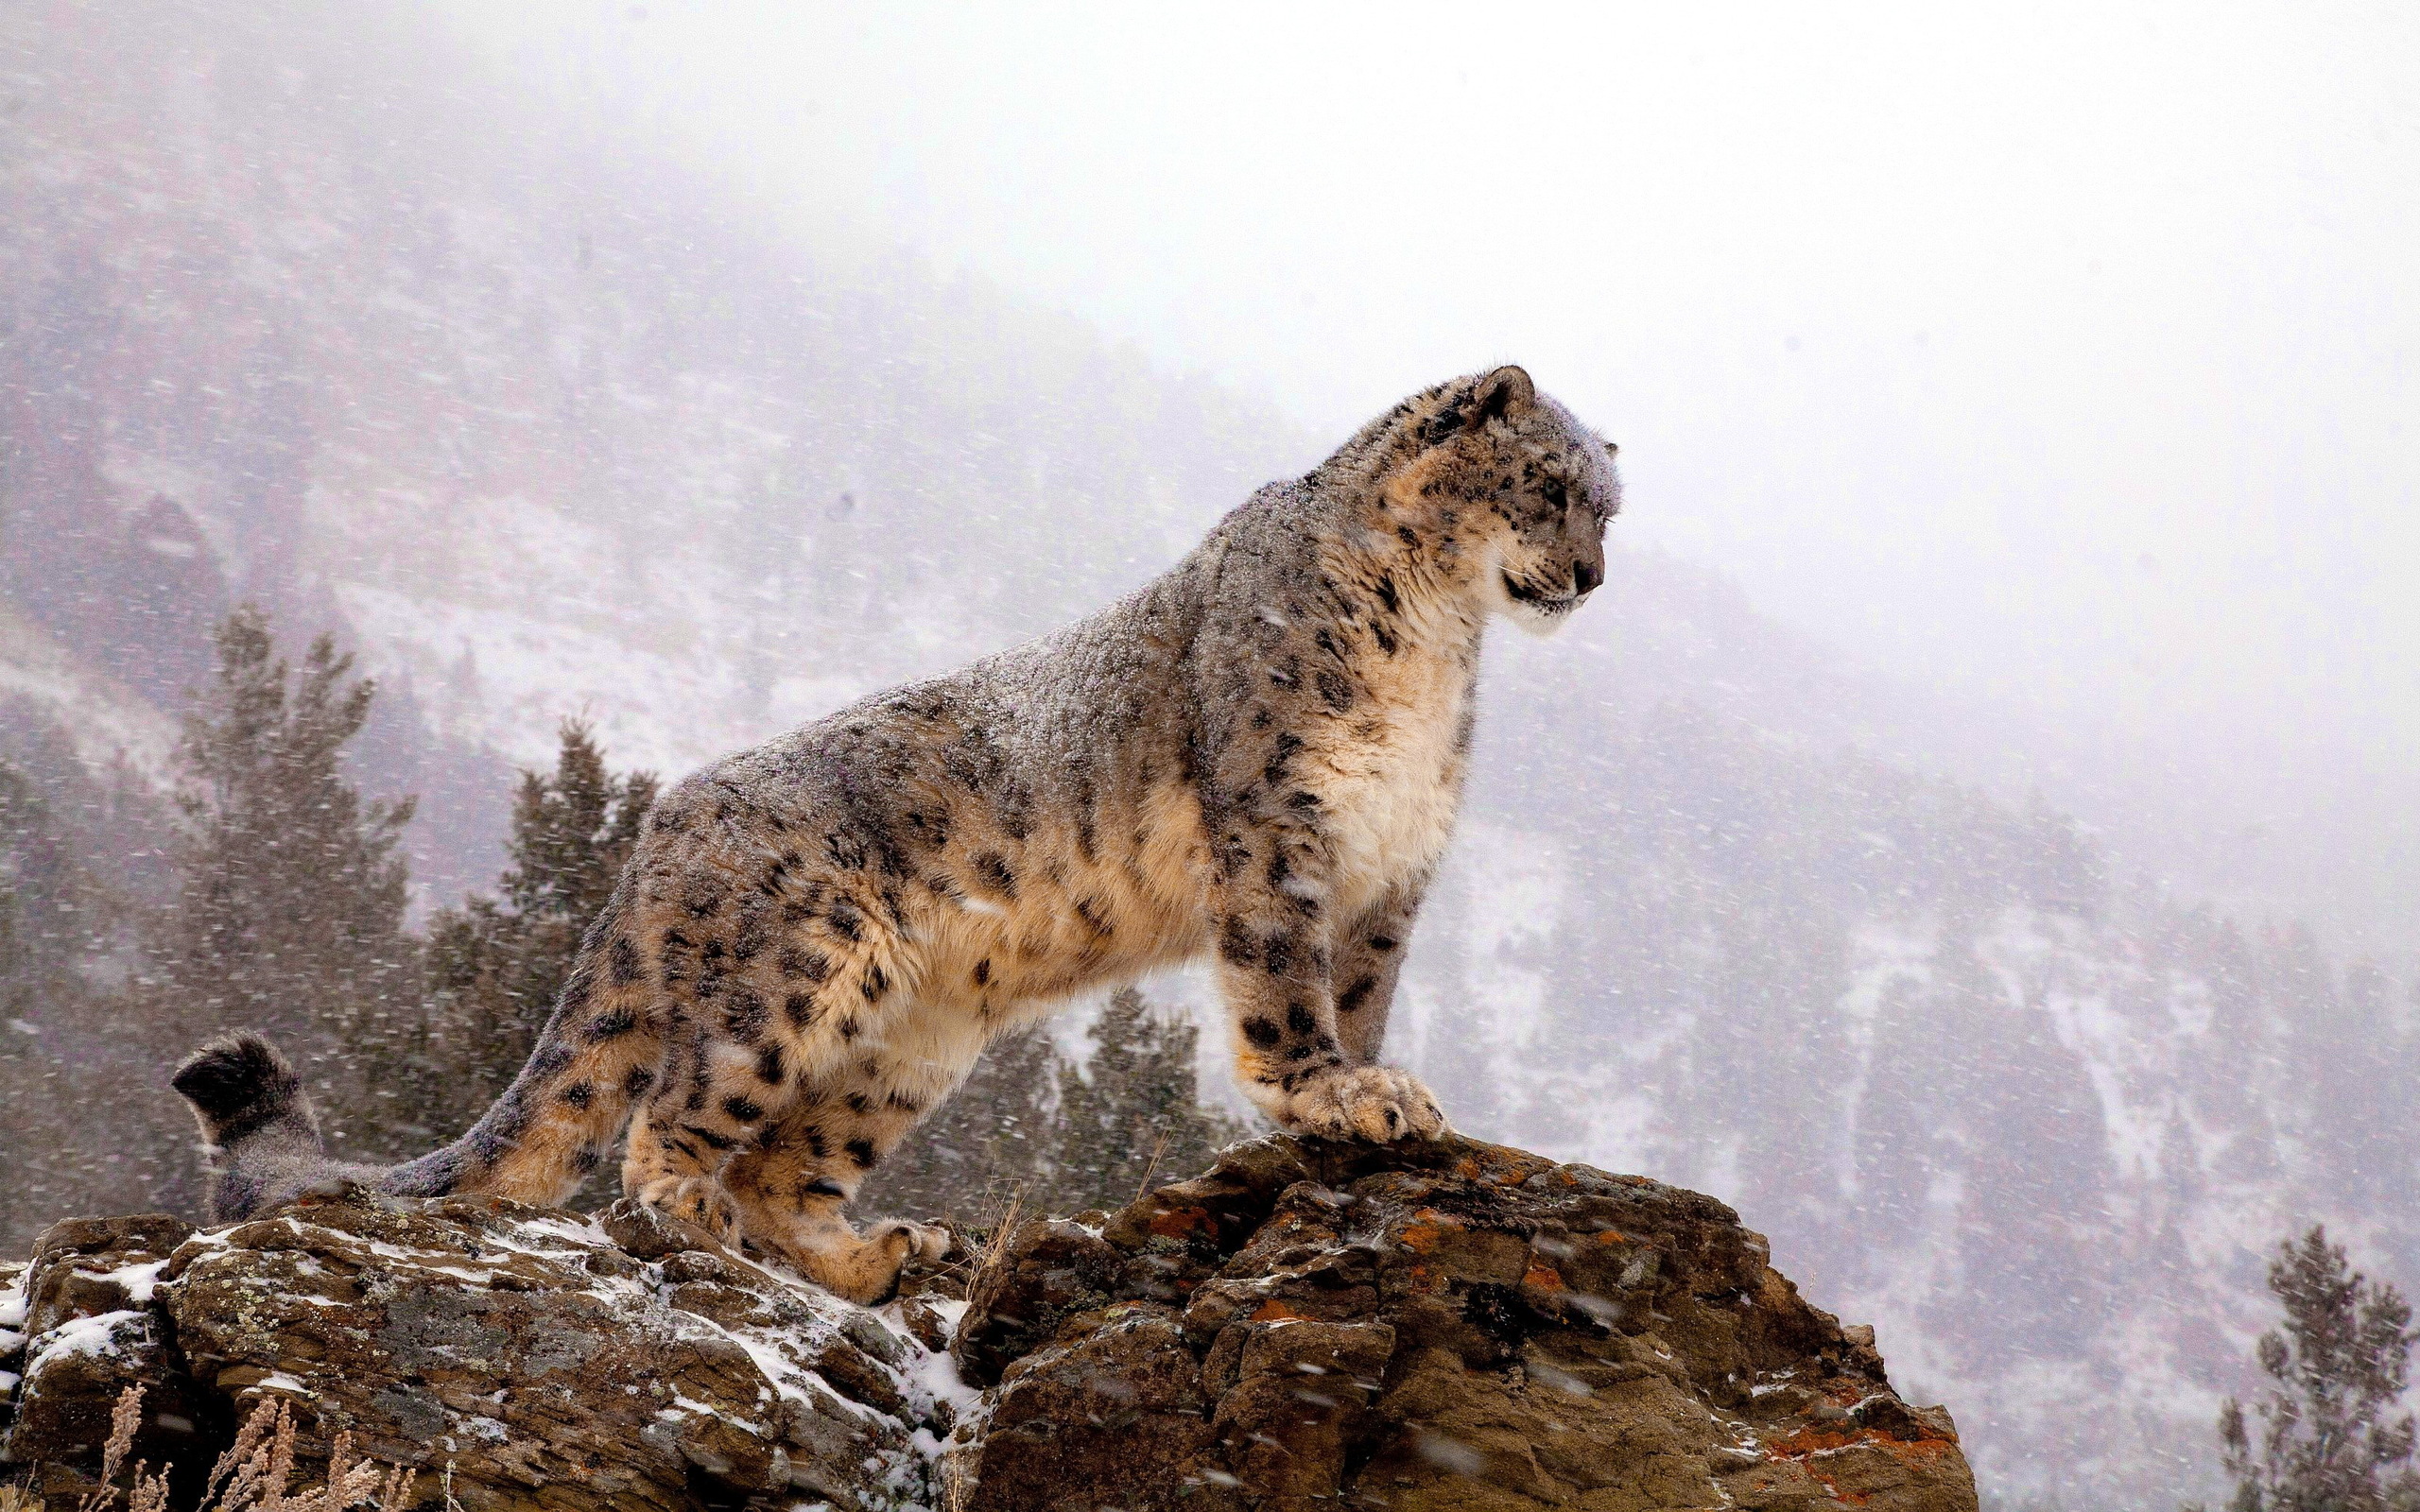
[
  {"x": 550, "y": 1361},
  {"x": 1423, "y": 1325},
  {"x": 1432, "y": 1326}
]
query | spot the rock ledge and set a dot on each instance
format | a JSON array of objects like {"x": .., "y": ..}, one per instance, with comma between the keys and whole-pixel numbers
[
  {"x": 1451, "y": 1324},
  {"x": 1431, "y": 1325}
]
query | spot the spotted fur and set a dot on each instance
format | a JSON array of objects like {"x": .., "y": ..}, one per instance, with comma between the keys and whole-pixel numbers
[{"x": 1255, "y": 759}]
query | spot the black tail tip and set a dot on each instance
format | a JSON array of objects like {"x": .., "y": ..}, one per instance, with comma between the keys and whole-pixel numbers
[{"x": 236, "y": 1084}]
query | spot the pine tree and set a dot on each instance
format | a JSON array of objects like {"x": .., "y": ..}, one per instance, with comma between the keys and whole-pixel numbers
[
  {"x": 289, "y": 912},
  {"x": 67, "y": 1050},
  {"x": 1032, "y": 1128},
  {"x": 2339, "y": 1366},
  {"x": 496, "y": 964},
  {"x": 1133, "y": 1115},
  {"x": 40, "y": 890},
  {"x": 990, "y": 1145}
]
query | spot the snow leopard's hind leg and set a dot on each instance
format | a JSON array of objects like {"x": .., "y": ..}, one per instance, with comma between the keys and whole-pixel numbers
[
  {"x": 757, "y": 1131},
  {"x": 807, "y": 1166},
  {"x": 791, "y": 1192},
  {"x": 682, "y": 1140}
]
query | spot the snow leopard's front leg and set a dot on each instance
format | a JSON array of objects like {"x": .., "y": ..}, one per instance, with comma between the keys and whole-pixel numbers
[
  {"x": 1369, "y": 957},
  {"x": 1276, "y": 972}
]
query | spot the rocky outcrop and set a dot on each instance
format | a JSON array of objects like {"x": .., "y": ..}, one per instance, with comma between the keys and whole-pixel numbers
[
  {"x": 1452, "y": 1324},
  {"x": 544, "y": 1360},
  {"x": 1449, "y": 1325}
]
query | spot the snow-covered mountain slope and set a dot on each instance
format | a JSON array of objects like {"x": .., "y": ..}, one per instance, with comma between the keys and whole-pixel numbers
[
  {"x": 103, "y": 721},
  {"x": 567, "y": 419},
  {"x": 543, "y": 427}
]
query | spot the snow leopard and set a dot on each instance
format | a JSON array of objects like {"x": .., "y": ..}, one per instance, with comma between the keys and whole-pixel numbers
[{"x": 1254, "y": 760}]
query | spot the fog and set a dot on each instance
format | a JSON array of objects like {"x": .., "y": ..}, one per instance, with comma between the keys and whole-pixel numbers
[{"x": 2058, "y": 358}]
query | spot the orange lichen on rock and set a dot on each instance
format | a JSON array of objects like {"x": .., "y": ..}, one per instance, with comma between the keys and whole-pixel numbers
[
  {"x": 1500, "y": 1166},
  {"x": 1175, "y": 1223},
  {"x": 1401, "y": 1326},
  {"x": 1427, "y": 1226}
]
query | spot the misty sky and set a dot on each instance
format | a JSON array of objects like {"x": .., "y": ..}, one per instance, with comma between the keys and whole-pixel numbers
[{"x": 2064, "y": 356}]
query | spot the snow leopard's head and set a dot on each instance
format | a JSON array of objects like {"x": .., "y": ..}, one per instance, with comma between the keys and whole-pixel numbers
[{"x": 1546, "y": 486}]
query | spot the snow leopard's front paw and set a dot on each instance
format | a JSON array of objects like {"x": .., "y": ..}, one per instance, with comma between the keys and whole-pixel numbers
[{"x": 1376, "y": 1103}]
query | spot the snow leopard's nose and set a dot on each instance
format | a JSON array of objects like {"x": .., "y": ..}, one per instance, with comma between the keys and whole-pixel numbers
[{"x": 1585, "y": 575}]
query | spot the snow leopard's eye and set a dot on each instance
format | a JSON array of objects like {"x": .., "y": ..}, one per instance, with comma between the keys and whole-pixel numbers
[{"x": 1552, "y": 489}]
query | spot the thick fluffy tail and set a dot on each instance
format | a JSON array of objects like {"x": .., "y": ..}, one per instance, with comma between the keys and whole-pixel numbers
[
  {"x": 264, "y": 1138},
  {"x": 600, "y": 1053}
]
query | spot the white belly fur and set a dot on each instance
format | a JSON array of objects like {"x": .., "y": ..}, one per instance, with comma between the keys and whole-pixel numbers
[{"x": 1390, "y": 780}]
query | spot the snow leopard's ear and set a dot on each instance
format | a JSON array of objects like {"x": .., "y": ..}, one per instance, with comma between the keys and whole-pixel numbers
[
  {"x": 1611, "y": 450},
  {"x": 1505, "y": 391}
]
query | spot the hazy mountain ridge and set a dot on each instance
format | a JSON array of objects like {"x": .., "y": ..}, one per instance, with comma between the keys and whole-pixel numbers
[
  {"x": 544, "y": 428},
  {"x": 2040, "y": 1133}
]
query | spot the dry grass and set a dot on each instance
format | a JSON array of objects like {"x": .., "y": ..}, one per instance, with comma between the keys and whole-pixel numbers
[
  {"x": 254, "y": 1475},
  {"x": 995, "y": 1243},
  {"x": 1151, "y": 1166}
]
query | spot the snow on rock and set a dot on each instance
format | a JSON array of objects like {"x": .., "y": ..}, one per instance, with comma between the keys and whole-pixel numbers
[
  {"x": 529, "y": 1352},
  {"x": 12, "y": 1335},
  {"x": 85, "y": 1311},
  {"x": 1304, "y": 1325}
]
